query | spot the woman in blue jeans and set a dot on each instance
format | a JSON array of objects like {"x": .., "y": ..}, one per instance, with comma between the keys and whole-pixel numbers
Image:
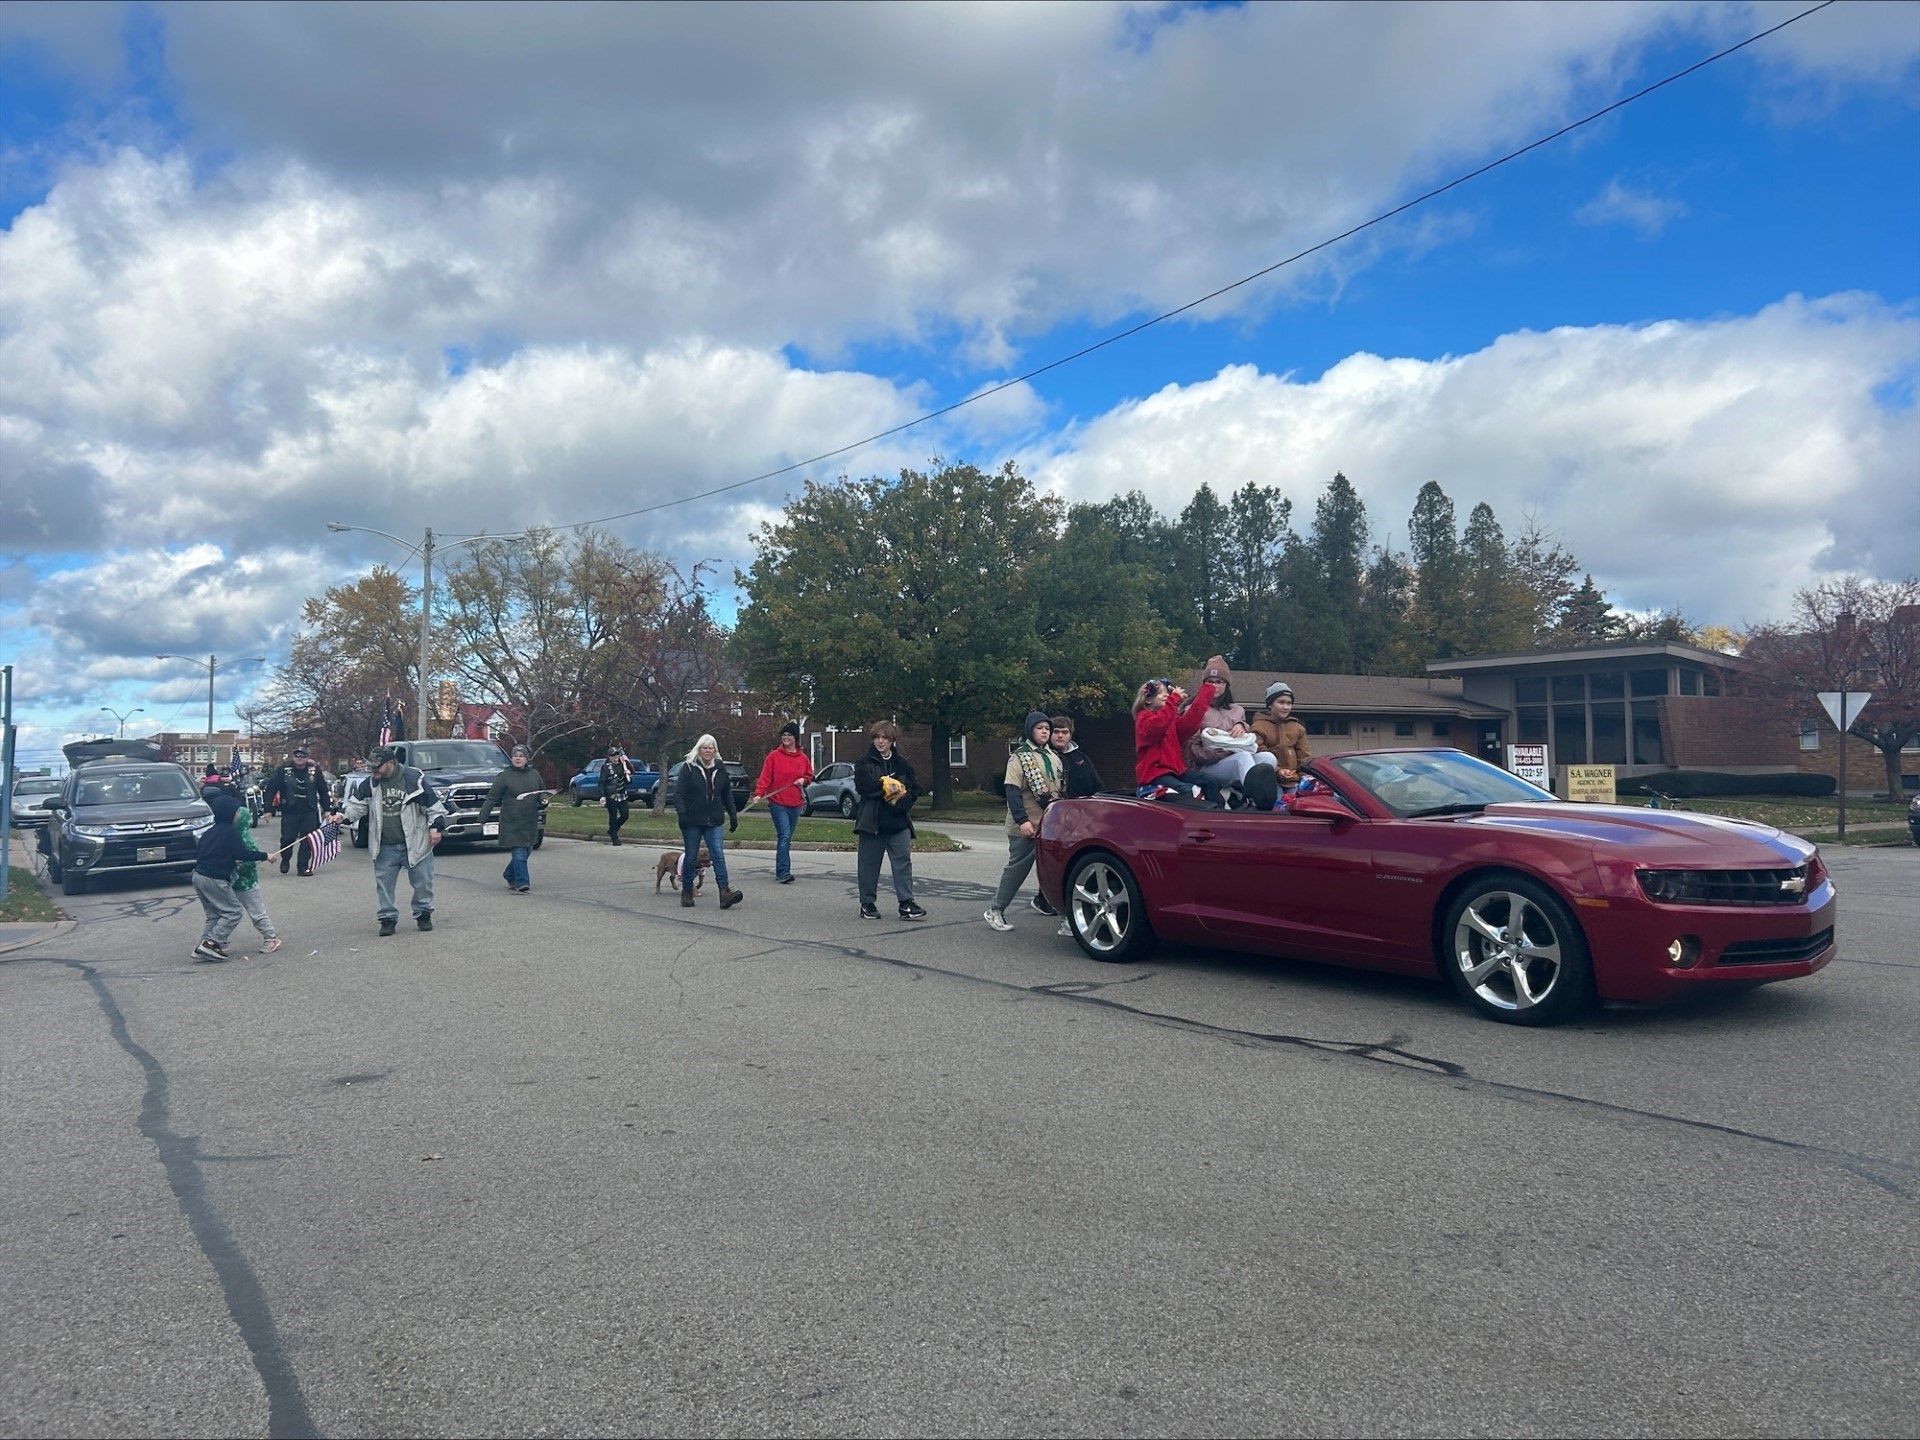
[
  {"x": 703, "y": 798},
  {"x": 783, "y": 785}
]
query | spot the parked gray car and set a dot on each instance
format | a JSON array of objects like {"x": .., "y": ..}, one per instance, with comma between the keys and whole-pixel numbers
[
  {"x": 832, "y": 789},
  {"x": 30, "y": 796}
]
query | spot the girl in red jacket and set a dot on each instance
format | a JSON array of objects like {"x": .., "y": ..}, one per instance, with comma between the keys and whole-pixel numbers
[{"x": 1161, "y": 730}]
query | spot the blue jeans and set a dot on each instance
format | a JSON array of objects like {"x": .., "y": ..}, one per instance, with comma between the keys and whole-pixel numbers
[
  {"x": 388, "y": 862},
  {"x": 716, "y": 840},
  {"x": 516, "y": 871},
  {"x": 785, "y": 817}
]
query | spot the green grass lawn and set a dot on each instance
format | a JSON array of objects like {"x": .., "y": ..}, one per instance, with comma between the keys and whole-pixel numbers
[
  {"x": 25, "y": 901},
  {"x": 643, "y": 827}
]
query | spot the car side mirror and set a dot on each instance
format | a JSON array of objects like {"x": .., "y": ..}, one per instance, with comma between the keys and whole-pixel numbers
[
  {"x": 59, "y": 807},
  {"x": 1320, "y": 805}
]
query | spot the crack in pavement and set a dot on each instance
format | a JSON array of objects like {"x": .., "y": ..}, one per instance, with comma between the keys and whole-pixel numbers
[{"x": 181, "y": 1161}]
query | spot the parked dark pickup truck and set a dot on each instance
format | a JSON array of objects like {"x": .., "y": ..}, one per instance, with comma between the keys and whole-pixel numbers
[{"x": 462, "y": 771}]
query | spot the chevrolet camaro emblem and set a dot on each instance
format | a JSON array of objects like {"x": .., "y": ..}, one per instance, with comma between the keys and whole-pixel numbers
[{"x": 1795, "y": 885}]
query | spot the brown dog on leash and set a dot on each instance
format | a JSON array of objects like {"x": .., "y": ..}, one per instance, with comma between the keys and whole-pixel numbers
[{"x": 671, "y": 859}]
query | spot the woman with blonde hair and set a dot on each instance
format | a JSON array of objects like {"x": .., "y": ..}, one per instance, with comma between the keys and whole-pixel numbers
[{"x": 703, "y": 798}]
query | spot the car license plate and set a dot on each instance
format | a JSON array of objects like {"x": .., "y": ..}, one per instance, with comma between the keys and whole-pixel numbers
[
  {"x": 145, "y": 853},
  {"x": 492, "y": 827}
]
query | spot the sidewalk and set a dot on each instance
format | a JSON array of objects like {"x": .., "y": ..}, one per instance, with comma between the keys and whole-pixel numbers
[{"x": 19, "y": 937}]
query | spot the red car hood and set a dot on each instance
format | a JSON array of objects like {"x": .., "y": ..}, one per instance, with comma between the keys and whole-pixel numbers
[{"x": 1656, "y": 837}]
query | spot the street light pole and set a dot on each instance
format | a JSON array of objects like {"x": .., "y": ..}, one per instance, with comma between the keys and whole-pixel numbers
[
  {"x": 123, "y": 717},
  {"x": 212, "y": 662},
  {"x": 424, "y": 550}
]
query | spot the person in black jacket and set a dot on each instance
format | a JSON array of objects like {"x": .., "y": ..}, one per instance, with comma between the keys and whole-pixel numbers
[
  {"x": 616, "y": 780},
  {"x": 703, "y": 797},
  {"x": 887, "y": 788},
  {"x": 220, "y": 849},
  {"x": 1082, "y": 778},
  {"x": 299, "y": 792}
]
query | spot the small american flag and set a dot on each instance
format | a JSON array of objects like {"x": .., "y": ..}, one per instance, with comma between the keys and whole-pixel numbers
[
  {"x": 390, "y": 723},
  {"x": 323, "y": 844}
]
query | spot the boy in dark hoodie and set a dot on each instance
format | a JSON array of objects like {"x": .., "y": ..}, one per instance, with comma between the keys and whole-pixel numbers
[{"x": 220, "y": 850}]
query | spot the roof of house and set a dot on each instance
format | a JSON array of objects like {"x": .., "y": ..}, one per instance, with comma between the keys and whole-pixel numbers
[
  {"x": 1619, "y": 651},
  {"x": 1365, "y": 694}
]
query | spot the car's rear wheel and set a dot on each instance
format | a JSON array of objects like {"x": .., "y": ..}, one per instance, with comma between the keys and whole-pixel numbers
[
  {"x": 1105, "y": 910},
  {"x": 360, "y": 836},
  {"x": 847, "y": 807},
  {"x": 574, "y": 792},
  {"x": 1514, "y": 953},
  {"x": 538, "y": 840}
]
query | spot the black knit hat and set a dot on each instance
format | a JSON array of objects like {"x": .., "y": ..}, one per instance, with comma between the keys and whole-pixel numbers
[{"x": 792, "y": 727}]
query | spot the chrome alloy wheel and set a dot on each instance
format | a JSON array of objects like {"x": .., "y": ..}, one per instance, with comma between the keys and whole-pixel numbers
[
  {"x": 1101, "y": 906},
  {"x": 1508, "y": 950}
]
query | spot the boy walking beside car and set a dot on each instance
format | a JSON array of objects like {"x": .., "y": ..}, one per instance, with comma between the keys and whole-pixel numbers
[{"x": 219, "y": 851}]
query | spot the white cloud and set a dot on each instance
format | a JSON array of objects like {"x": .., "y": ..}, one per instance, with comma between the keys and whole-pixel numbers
[
  {"x": 1713, "y": 466},
  {"x": 1641, "y": 210}
]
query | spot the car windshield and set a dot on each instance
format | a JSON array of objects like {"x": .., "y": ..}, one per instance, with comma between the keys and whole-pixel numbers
[
  {"x": 1413, "y": 783},
  {"x": 460, "y": 755},
  {"x": 122, "y": 788}
]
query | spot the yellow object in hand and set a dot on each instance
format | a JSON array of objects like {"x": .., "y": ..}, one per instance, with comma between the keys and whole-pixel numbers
[{"x": 891, "y": 789}]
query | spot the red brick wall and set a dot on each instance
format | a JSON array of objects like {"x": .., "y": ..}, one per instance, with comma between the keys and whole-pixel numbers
[{"x": 1705, "y": 732}]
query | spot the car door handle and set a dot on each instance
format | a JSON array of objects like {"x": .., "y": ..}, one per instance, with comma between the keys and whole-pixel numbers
[{"x": 1200, "y": 835}]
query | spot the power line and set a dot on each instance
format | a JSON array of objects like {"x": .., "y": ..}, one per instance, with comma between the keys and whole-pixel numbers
[{"x": 1260, "y": 274}]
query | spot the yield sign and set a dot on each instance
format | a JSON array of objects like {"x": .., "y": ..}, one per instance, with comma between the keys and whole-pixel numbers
[{"x": 1855, "y": 700}]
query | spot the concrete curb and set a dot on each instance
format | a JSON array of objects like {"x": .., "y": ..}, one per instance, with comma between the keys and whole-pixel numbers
[{"x": 19, "y": 937}]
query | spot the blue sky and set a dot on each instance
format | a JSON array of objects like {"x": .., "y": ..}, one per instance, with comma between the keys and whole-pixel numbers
[{"x": 265, "y": 266}]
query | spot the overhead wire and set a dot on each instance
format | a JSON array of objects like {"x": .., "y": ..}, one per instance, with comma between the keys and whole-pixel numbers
[{"x": 1228, "y": 289}]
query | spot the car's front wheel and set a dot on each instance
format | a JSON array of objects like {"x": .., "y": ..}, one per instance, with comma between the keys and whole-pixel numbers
[
  {"x": 72, "y": 881},
  {"x": 1514, "y": 952},
  {"x": 360, "y": 835},
  {"x": 847, "y": 806},
  {"x": 1105, "y": 910},
  {"x": 574, "y": 792}
]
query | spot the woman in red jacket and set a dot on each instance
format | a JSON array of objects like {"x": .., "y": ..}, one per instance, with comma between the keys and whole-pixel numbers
[
  {"x": 784, "y": 778},
  {"x": 1161, "y": 729}
]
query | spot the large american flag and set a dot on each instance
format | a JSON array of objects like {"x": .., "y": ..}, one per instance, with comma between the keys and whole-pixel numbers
[
  {"x": 390, "y": 723},
  {"x": 324, "y": 843}
]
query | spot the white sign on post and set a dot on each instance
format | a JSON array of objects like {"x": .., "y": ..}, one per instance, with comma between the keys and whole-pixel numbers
[
  {"x": 1529, "y": 762},
  {"x": 1855, "y": 701}
]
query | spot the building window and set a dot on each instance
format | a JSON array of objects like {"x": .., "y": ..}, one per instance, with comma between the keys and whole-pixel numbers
[
  {"x": 1646, "y": 733},
  {"x": 816, "y": 743},
  {"x": 1530, "y": 725},
  {"x": 1529, "y": 690},
  {"x": 1329, "y": 727},
  {"x": 1442, "y": 729},
  {"x": 1689, "y": 682},
  {"x": 1403, "y": 728},
  {"x": 1569, "y": 689},
  {"x": 956, "y": 750},
  {"x": 1570, "y": 734},
  {"x": 1809, "y": 734},
  {"x": 1608, "y": 685},
  {"x": 1648, "y": 682},
  {"x": 1610, "y": 734}
]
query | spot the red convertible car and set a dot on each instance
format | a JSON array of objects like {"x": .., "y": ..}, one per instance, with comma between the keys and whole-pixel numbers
[{"x": 1412, "y": 860}]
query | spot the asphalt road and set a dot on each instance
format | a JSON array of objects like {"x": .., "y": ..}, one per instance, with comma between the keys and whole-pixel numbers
[{"x": 584, "y": 1162}]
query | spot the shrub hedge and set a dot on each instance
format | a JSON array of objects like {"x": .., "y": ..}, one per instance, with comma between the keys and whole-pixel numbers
[{"x": 1689, "y": 784}]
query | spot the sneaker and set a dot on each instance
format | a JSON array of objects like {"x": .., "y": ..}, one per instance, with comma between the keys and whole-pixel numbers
[
  {"x": 424, "y": 920},
  {"x": 518, "y": 890},
  {"x": 1039, "y": 902},
  {"x": 1065, "y": 931},
  {"x": 272, "y": 943},
  {"x": 786, "y": 879},
  {"x": 997, "y": 919},
  {"x": 869, "y": 912},
  {"x": 210, "y": 950},
  {"x": 911, "y": 911},
  {"x": 388, "y": 925}
]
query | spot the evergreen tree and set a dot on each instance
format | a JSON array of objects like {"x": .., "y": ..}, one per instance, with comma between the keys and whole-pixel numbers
[
  {"x": 1202, "y": 532},
  {"x": 1586, "y": 619},
  {"x": 1259, "y": 535},
  {"x": 1434, "y": 547}
]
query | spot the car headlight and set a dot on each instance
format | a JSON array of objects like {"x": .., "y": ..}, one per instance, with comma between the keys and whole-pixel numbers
[
  {"x": 91, "y": 832},
  {"x": 200, "y": 827}
]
